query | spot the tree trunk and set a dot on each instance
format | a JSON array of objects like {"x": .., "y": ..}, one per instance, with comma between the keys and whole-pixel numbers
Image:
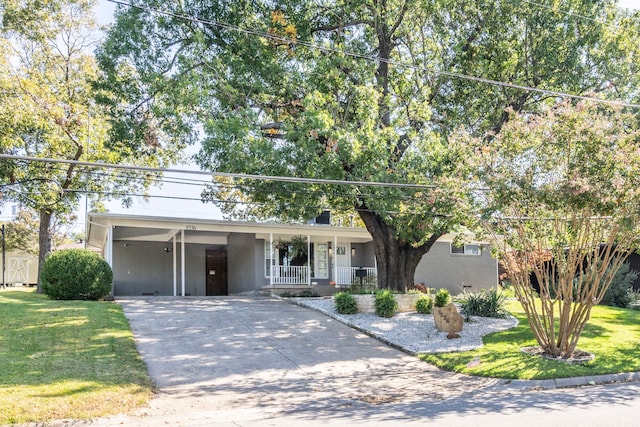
[
  {"x": 396, "y": 259},
  {"x": 44, "y": 241}
]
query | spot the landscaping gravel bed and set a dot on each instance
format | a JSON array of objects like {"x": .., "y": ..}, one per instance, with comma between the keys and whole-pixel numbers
[{"x": 413, "y": 332}]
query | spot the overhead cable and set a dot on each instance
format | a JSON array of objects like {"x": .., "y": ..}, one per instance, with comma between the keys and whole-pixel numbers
[{"x": 219, "y": 174}]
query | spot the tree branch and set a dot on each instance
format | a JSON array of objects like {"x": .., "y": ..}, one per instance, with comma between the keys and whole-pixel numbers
[
  {"x": 401, "y": 15},
  {"x": 340, "y": 25}
]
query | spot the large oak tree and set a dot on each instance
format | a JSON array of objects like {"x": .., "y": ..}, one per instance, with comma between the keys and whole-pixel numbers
[{"x": 358, "y": 91}]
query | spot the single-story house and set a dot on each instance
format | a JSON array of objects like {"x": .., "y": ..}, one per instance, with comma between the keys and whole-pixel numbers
[{"x": 197, "y": 257}]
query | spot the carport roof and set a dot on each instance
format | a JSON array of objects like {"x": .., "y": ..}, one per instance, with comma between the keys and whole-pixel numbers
[{"x": 156, "y": 228}]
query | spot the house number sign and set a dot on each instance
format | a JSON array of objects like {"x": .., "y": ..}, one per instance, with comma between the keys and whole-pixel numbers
[{"x": 190, "y": 227}]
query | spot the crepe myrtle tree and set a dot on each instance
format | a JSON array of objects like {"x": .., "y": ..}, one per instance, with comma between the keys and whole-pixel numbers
[
  {"x": 564, "y": 190},
  {"x": 354, "y": 91}
]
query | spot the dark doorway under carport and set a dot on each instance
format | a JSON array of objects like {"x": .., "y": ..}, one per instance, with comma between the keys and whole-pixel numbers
[{"x": 217, "y": 272}]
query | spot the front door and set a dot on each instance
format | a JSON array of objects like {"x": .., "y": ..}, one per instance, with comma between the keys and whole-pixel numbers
[
  {"x": 216, "y": 272},
  {"x": 343, "y": 263}
]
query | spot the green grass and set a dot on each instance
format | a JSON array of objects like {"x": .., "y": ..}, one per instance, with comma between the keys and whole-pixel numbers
[
  {"x": 66, "y": 359},
  {"x": 612, "y": 334}
]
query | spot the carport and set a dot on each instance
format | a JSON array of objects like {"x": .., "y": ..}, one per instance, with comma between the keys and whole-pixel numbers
[{"x": 197, "y": 257}]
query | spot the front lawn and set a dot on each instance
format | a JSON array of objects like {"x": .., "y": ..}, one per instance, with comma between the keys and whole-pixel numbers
[
  {"x": 66, "y": 359},
  {"x": 612, "y": 334}
]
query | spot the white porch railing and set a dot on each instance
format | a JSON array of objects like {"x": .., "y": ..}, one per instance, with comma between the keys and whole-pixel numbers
[
  {"x": 347, "y": 275},
  {"x": 298, "y": 275}
]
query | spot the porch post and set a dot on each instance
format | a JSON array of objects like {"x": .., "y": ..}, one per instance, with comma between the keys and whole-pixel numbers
[
  {"x": 182, "y": 257},
  {"x": 109, "y": 246},
  {"x": 333, "y": 260},
  {"x": 108, "y": 253},
  {"x": 175, "y": 267},
  {"x": 375, "y": 264},
  {"x": 270, "y": 259},
  {"x": 309, "y": 260}
]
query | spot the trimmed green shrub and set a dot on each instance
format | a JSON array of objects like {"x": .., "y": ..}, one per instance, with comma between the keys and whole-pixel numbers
[
  {"x": 345, "y": 303},
  {"x": 76, "y": 274},
  {"x": 424, "y": 304},
  {"x": 484, "y": 304},
  {"x": 442, "y": 298},
  {"x": 385, "y": 303}
]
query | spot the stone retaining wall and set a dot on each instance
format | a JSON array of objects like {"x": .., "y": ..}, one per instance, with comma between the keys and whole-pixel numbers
[{"x": 406, "y": 303}]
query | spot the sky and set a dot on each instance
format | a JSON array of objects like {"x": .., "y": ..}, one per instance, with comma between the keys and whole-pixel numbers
[
  {"x": 183, "y": 208},
  {"x": 629, "y": 4}
]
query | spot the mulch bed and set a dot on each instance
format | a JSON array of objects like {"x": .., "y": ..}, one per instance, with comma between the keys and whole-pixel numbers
[{"x": 578, "y": 357}]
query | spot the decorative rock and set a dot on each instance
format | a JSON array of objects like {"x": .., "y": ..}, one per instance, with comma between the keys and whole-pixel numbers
[
  {"x": 420, "y": 287},
  {"x": 448, "y": 319}
]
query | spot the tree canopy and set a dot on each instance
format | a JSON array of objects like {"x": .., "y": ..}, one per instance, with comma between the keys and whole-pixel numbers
[
  {"x": 48, "y": 111},
  {"x": 359, "y": 91},
  {"x": 21, "y": 233}
]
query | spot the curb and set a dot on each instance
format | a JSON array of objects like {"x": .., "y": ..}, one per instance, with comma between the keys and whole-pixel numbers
[{"x": 517, "y": 385}]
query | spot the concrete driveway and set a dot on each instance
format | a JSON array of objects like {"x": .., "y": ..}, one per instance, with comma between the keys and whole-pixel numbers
[{"x": 248, "y": 359}]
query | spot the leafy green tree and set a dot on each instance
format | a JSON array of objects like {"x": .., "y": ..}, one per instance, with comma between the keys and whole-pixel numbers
[
  {"x": 356, "y": 91},
  {"x": 22, "y": 232},
  {"x": 567, "y": 186},
  {"x": 47, "y": 110}
]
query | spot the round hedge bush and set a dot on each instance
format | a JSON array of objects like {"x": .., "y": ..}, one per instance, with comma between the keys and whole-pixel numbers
[
  {"x": 76, "y": 274},
  {"x": 385, "y": 303},
  {"x": 424, "y": 304},
  {"x": 345, "y": 303},
  {"x": 442, "y": 298}
]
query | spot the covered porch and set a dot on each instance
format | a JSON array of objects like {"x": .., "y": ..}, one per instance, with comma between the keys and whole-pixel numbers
[{"x": 297, "y": 261}]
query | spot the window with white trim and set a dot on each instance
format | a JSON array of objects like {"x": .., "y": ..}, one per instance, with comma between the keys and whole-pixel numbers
[
  {"x": 268, "y": 259},
  {"x": 321, "y": 261},
  {"x": 475, "y": 250}
]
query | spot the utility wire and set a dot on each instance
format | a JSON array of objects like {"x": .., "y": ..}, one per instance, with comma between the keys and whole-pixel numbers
[
  {"x": 374, "y": 58},
  {"x": 218, "y": 174},
  {"x": 244, "y": 176},
  {"x": 241, "y": 187},
  {"x": 558, "y": 10},
  {"x": 234, "y": 202}
]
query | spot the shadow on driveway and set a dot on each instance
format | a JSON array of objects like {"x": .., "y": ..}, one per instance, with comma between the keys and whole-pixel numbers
[{"x": 229, "y": 359}]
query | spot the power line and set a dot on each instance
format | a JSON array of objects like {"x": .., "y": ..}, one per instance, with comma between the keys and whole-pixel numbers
[
  {"x": 558, "y": 10},
  {"x": 375, "y": 58},
  {"x": 218, "y": 174},
  {"x": 228, "y": 201},
  {"x": 235, "y": 202},
  {"x": 240, "y": 187}
]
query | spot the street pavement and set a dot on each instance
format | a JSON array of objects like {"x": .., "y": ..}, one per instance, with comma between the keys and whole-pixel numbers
[{"x": 245, "y": 361}]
